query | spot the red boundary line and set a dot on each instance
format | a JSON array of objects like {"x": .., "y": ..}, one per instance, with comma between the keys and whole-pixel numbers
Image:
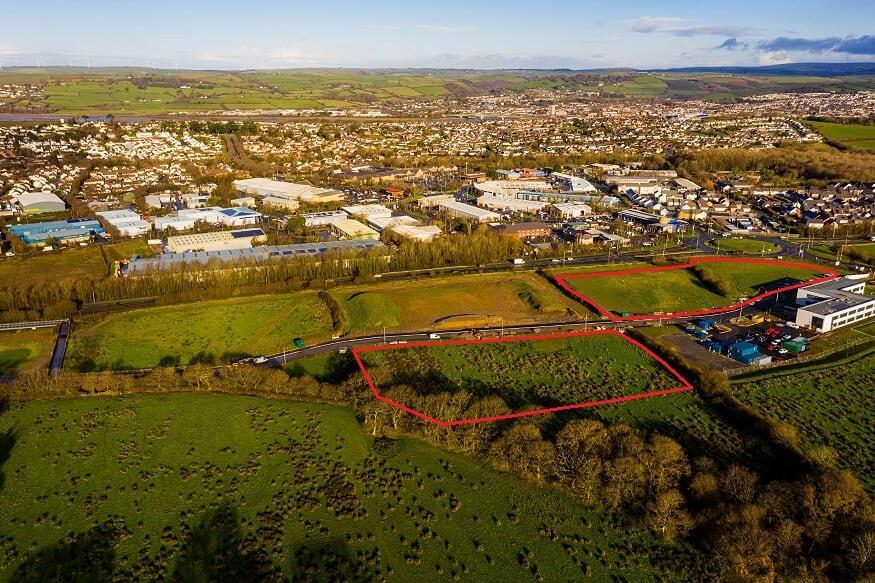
[
  {"x": 562, "y": 281},
  {"x": 685, "y": 386}
]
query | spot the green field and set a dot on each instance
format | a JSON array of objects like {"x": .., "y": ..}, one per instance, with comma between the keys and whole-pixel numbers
[
  {"x": 852, "y": 135},
  {"x": 453, "y": 302},
  {"x": 150, "y": 91},
  {"x": 212, "y": 331},
  {"x": 743, "y": 245},
  {"x": 25, "y": 350},
  {"x": 214, "y": 487},
  {"x": 831, "y": 407},
  {"x": 209, "y": 331},
  {"x": 541, "y": 373},
  {"x": 681, "y": 290}
]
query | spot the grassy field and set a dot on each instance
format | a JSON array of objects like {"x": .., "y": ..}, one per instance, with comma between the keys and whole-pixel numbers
[
  {"x": 542, "y": 373},
  {"x": 831, "y": 406},
  {"x": 150, "y": 91},
  {"x": 149, "y": 487},
  {"x": 71, "y": 265},
  {"x": 68, "y": 265},
  {"x": 453, "y": 302},
  {"x": 207, "y": 331},
  {"x": 743, "y": 245},
  {"x": 25, "y": 350},
  {"x": 228, "y": 329},
  {"x": 852, "y": 135},
  {"x": 681, "y": 290}
]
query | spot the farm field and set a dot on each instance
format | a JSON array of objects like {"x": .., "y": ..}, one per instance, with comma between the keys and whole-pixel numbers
[
  {"x": 209, "y": 331},
  {"x": 852, "y": 135},
  {"x": 146, "y": 487},
  {"x": 216, "y": 330},
  {"x": 681, "y": 289},
  {"x": 71, "y": 265},
  {"x": 453, "y": 302},
  {"x": 524, "y": 373},
  {"x": 743, "y": 245},
  {"x": 831, "y": 406},
  {"x": 25, "y": 350}
]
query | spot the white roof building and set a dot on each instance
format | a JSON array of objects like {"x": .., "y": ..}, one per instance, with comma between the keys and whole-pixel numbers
[
  {"x": 422, "y": 233},
  {"x": 127, "y": 222},
  {"x": 350, "y": 229},
  {"x": 466, "y": 211},
  {"x": 304, "y": 192},
  {"x": 383, "y": 223},
  {"x": 571, "y": 210},
  {"x": 367, "y": 211},
  {"x": 323, "y": 218},
  {"x": 511, "y": 204},
  {"x": 39, "y": 202}
]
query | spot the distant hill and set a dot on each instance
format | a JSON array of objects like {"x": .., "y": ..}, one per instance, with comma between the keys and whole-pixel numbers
[{"x": 789, "y": 69}]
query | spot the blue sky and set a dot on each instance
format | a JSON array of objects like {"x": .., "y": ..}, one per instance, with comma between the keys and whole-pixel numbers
[{"x": 226, "y": 34}]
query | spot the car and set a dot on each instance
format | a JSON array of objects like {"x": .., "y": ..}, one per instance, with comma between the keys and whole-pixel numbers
[
  {"x": 775, "y": 342},
  {"x": 259, "y": 360},
  {"x": 786, "y": 337},
  {"x": 783, "y": 351}
]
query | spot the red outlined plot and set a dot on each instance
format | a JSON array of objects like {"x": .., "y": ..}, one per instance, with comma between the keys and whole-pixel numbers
[
  {"x": 356, "y": 352},
  {"x": 562, "y": 281}
]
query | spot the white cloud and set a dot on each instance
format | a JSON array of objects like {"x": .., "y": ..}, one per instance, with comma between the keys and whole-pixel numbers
[
  {"x": 436, "y": 28},
  {"x": 680, "y": 27}
]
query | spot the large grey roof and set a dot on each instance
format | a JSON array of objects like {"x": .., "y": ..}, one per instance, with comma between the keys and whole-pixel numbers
[{"x": 256, "y": 254}]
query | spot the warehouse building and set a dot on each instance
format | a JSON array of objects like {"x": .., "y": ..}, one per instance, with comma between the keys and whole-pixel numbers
[
  {"x": 69, "y": 231},
  {"x": 254, "y": 255},
  {"x": 383, "y": 223},
  {"x": 524, "y": 231},
  {"x": 569, "y": 183},
  {"x": 265, "y": 187},
  {"x": 466, "y": 211},
  {"x": 35, "y": 203},
  {"x": 323, "y": 218},
  {"x": 570, "y": 210},
  {"x": 350, "y": 229},
  {"x": 423, "y": 233},
  {"x": 513, "y": 205},
  {"x": 367, "y": 211},
  {"x": 216, "y": 241},
  {"x": 126, "y": 222},
  {"x": 185, "y": 219},
  {"x": 833, "y": 304}
]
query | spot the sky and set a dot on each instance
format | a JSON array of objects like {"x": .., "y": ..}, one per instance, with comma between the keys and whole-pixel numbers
[{"x": 477, "y": 34}]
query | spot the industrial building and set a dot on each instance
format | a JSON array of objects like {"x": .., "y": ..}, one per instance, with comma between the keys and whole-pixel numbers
[
  {"x": 833, "y": 304},
  {"x": 509, "y": 188},
  {"x": 186, "y": 219},
  {"x": 570, "y": 210},
  {"x": 254, "y": 255},
  {"x": 603, "y": 200},
  {"x": 527, "y": 230},
  {"x": 34, "y": 203},
  {"x": 501, "y": 203},
  {"x": 69, "y": 231},
  {"x": 323, "y": 218},
  {"x": 569, "y": 183},
  {"x": 466, "y": 211},
  {"x": 126, "y": 222},
  {"x": 653, "y": 223},
  {"x": 383, "y": 223},
  {"x": 216, "y": 241},
  {"x": 350, "y": 229},
  {"x": 286, "y": 204},
  {"x": 423, "y": 233},
  {"x": 265, "y": 187},
  {"x": 367, "y": 211}
]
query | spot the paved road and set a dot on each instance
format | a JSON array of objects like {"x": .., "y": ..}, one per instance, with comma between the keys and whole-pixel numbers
[
  {"x": 60, "y": 348},
  {"x": 492, "y": 332}
]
